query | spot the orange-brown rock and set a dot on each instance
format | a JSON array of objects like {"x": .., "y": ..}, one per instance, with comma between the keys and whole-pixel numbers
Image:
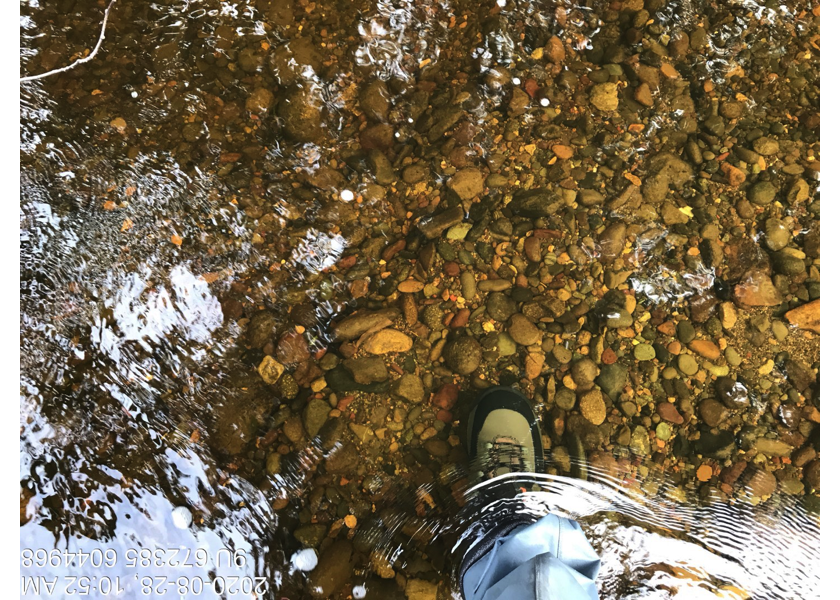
[
  {"x": 388, "y": 340},
  {"x": 705, "y": 348},
  {"x": 292, "y": 348},
  {"x": 667, "y": 328},
  {"x": 554, "y": 50},
  {"x": 592, "y": 407},
  {"x": 806, "y": 316},
  {"x": 410, "y": 286},
  {"x": 533, "y": 364},
  {"x": 460, "y": 319},
  {"x": 563, "y": 152},
  {"x": 669, "y": 413},
  {"x": 734, "y": 176},
  {"x": 757, "y": 289}
]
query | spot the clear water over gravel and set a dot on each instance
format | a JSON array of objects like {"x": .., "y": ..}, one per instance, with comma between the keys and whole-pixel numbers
[{"x": 272, "y": 250}]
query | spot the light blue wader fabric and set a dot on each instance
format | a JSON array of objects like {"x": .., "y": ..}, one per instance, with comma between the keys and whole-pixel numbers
[{"x": 547, "y": 560}]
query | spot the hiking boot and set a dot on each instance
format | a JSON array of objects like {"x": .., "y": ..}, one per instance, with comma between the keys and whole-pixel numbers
[{"x": 503, "y": 435}]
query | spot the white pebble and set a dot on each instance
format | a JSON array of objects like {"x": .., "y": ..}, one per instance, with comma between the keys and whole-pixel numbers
[
  {"x": 359, "y": 592},
  {"x": 516, "y": 81},
  {"x": 545, "y": 102},
  {"x": 305, "y": 560},
  {"x": 347, "y": 195},
  {"x": 501, "y": 3},
  {"x": 182, "y": 517}
]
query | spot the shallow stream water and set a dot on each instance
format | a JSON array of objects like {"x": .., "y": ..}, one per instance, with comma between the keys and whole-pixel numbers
[{"x": 271, "y": 250}]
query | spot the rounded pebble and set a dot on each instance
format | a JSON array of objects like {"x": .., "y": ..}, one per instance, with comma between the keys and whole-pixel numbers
[
  {"x": 687, "y": 364},
  {"x": 592, "y": 407},
  {"x": 732, "y": 356},
  {"x": 644, "y": 352}
]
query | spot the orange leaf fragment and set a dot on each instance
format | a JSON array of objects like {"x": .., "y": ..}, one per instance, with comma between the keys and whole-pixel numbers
[
  {"x": 127, "y": 224},
  {"x": 129, "y": 191},
  {"x": 704, "y": 473},
  {"x": 633, "y": 179},
  {"x": 110, "y": 205},
  {"x": 636, "y": 128},
  {"x": 176, "y": 239},
  {"x": 350, "y": 521},
  {"x": 119, "y": 124},
  {"x": 693, "y": 251}
]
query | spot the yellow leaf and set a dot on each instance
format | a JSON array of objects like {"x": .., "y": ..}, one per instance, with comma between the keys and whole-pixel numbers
[
  {"x": 686, "y": 210},
  {"x": 633, "y": 179}
]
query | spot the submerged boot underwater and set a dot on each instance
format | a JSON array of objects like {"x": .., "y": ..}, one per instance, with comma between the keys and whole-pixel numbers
[{"x": 519, "y": 558}]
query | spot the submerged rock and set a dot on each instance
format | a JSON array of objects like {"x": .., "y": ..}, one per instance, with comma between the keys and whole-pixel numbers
[
  {"x": 592, "y": 407},
  {"x": 315, "y": 415},
  {"x": 733, "y": 394},
  {"x": 467, "y": 183},
  {"x": 292, "y": 348},
  {"x": 333, "y": 570},
  {"x": 463, "y": 355},
  {"x": 433, "y": 227},
  {"x": 757, "y": 289},
  {"x": 367, "y": 370},
  {"x": 410, "y": 387},
  {"x": 301, "y": 114},
  {"x": 805, "y": 317},
  {"x": 604, "y": 96},
  {"x": 536, "y": 203},
  {"x": 499, "y": 306},
  {"x": 665, "y": 171},
  {"x": 362, "y": 321},
  {"x": 419, "y": 589},
  {"x": 387, "y": 341},
  {"x": 523, "y": 331}
]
